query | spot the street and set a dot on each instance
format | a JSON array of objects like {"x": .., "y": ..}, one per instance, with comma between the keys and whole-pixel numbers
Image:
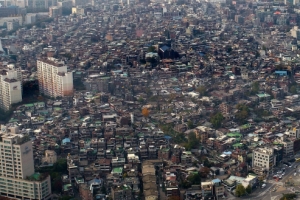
[{"x": 267, "y": 193}]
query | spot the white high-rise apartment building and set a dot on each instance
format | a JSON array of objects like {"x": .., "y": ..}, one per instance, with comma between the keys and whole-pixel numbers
[
  {"x": 54, "y": 78},
  {"x": 10, "y": 86},
  {"x": 17, "y": 177}
]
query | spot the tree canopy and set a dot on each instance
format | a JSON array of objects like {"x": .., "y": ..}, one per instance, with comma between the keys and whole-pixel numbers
[
  {"x": 216, "y": 120},
  {"x": 190, "y": 124},
  {"x": 242, "y": 114},
  {"x": 193, "y": 142},
  {"x": 201, "y": 90},
  {"x": 255, "y": 87},
  {"x": 151, "y": 49},
  {"x": 194, "y": 179},
  {"x": 240, "y": 190},
  {"x": 249, "y": 189},
  {"x": 288, "y": 196},
  {"x": 293, "y": 89},
  {"x": 145, "y": 112}
]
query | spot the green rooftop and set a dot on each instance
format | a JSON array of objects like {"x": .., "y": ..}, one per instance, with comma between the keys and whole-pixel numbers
[
  {"x": 263, "y": 95},
  {"x": 245, "y": 126},
  {"x": 234, "y": 134},
  {"x": 165, "y": 149},
  {"x": 238, "y": 145},
  {"x": 117, "y": 170},
  {"x": 39, "y": 104},
  {"x": 105, "y": 77},
  {"x": 79, "y": 179},
  {"x": 13, "y": 120},
  {"x": 67, "y": 186},
  {"x": 82, "y": 150},
  {"x": 37, "y": 177}
]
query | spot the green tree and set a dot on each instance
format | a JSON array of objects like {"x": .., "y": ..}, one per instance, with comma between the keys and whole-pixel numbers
[
  {"x": 249, "y": 189},
  {"x": 255, "y": 87},
  {"x": 206, "y": 163},
  {"x": 288, "y": 196},
  {"x": 201, "y": 90},
  {"x": 190, "y": 124},
  {"x": 242, "y": 114},
  {"x": 152, "y": 49},
  {"x": 240, "y": 190},
  {"x": 193, "y": 142},
  {"x": 103, "y": 190},
  {"x": 141, "y": 99},
  {"x": 293, "y": 89},
  {"x": 65, "y": 198},
  {"x": 216, "y": 120},
  {"x": 194, "y": 179},
  {"x": 185, "y": 184},
  {"x": 228, "y": 49},
  {"x": 257, "y": 54},
  {"x": 61, "y": 165}
]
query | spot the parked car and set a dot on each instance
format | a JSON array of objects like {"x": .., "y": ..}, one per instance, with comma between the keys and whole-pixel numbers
[{"x": 263, "y": 185}]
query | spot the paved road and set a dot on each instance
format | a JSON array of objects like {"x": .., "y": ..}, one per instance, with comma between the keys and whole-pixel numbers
[{"x": 267, "y": 193}]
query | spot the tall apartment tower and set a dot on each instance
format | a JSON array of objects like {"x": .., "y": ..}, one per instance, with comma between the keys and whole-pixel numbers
[
  {"x": 263, "y": 160},
  {"x": 17, "y": 177},
  {"x": 54, "y": 78},
  {"x": 10, "y": 86}
]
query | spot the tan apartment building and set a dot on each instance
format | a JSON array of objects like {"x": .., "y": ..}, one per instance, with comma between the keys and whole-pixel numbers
[
  {"x": 54, "y": 78},
  {"x": 263, "y": 159},
  {"x": 17, "y": 176}
]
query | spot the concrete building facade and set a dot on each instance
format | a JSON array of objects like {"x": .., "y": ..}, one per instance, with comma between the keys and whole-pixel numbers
[
  {"x": 54, "y": 78},
  {"x": 10, "y": 87},
  {"x": 263, "y": 158},
  {"x": 55, "y": 11},
  {"x": 17, "y": 177},
  {"x": 12, "y": 25}
]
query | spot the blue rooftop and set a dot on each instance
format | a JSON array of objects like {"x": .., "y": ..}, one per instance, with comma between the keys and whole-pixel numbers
[
  {"x": 95, "y": 181},
  {"x": 168, "y": 137},
  {"x": 202, "y": 54},
  {"x": 216, "y": 180},
  {"x": 66, "y": 140},
  {"x": 164, "y": 48},
  {"x": 227, "y": 152}
]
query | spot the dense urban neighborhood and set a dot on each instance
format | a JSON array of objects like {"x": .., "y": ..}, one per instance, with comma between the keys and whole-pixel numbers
[{"x": 149, "y": 100}]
